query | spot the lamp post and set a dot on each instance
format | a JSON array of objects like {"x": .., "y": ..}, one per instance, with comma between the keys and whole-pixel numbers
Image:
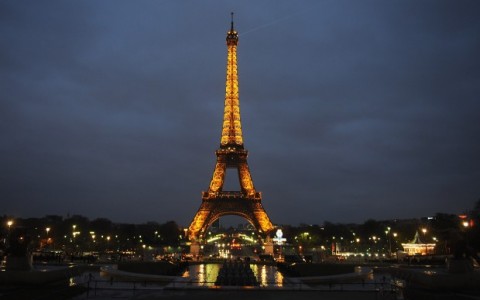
[
  {"x": 395, "y": 242},
  {"x": 92, "y": 235},
  {"x": 465, "y": 225},
  {"x": 387, "y": 235},
  {"x": 108, "y": 242},
  {"x": 73, "y": 233},
  {"x": 9, "y": 224},
  {"x": 47, "y": 230},
  {"x": 424, "y": 230},
  {"x": 73, "y": 237}
]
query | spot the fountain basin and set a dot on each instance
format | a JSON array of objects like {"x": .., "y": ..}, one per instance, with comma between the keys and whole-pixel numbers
[
  {"x": 325, "y": 273},
  {"x": 438, "y": 279},
  {"x": 359, "y": 274},
  {"x": 113, "y": 272},
  {"x": 38, "y": 277}
]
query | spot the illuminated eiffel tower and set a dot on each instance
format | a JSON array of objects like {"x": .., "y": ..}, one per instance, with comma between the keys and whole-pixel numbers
[{"x": 216, "y": 202}]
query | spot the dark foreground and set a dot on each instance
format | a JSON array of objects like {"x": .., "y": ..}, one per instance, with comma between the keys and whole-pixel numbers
[
  {"x": 80, "y": 293},
  {"x": 241, "y": 295},
  {"x": 42, "y": 293}
]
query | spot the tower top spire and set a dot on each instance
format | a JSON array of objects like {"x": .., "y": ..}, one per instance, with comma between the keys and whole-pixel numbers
[
  {"x": 232, "y": 35},
  {"x": 232, "y": 127}
]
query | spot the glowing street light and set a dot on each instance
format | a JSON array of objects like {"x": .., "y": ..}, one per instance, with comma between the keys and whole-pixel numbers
[
  {"x": 47, "y": 230},
  {"x": 387, "y": 235},
  {"x": 9, "y": 224},
  {"x": 424, "y": 230}
]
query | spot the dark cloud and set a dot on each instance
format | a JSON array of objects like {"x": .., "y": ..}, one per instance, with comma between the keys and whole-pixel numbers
[{"x": 351, "y": 110}]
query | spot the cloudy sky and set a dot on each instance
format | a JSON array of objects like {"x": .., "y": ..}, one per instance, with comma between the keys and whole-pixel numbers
[{"x": 350, "y": 109}]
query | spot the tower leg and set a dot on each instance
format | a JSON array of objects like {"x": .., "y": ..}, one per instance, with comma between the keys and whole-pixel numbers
[
  {"x": 195, "y": 249},
  {"x": 268, "y": 248}
]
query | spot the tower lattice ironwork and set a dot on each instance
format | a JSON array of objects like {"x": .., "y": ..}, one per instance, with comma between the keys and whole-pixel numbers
[{"x": 216, "y": 202}]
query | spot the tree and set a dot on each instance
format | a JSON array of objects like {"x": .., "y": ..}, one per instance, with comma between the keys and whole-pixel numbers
[
  {"x": 101, "y": 226},
  {"x": 170, "y": 233},
  {"x": 475, "y": 229}
]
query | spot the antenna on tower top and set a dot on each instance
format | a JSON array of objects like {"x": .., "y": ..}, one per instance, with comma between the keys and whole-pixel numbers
[{"x": 232, "y": 35}]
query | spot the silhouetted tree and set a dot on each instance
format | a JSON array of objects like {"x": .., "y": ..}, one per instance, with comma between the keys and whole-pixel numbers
[
  {"x": 101, "y": 226},
  {"x": 170, "y": 233},
  {"x": 475, "y": 229}
]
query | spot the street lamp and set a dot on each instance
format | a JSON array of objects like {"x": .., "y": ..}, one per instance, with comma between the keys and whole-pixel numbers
[
  {"x": 9, "y": 224},
  {"x": 389, "y": 241},
  {"x": 47, "y": 230},
  {"x": 395, "y": 242},
  {"x": 424, "y": 230},
  {"x": 73, "y": 231},
  {"x": 465, "y": 225}
]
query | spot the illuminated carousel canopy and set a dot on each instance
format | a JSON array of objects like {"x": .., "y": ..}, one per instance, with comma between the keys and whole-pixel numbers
[{"x": 417, "y": 247}]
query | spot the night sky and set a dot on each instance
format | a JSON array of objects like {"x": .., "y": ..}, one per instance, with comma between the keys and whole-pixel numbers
[{"x": 350, "y": 109}]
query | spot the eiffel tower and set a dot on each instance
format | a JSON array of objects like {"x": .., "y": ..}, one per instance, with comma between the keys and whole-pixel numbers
[{"x": 216, "y": 202}]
